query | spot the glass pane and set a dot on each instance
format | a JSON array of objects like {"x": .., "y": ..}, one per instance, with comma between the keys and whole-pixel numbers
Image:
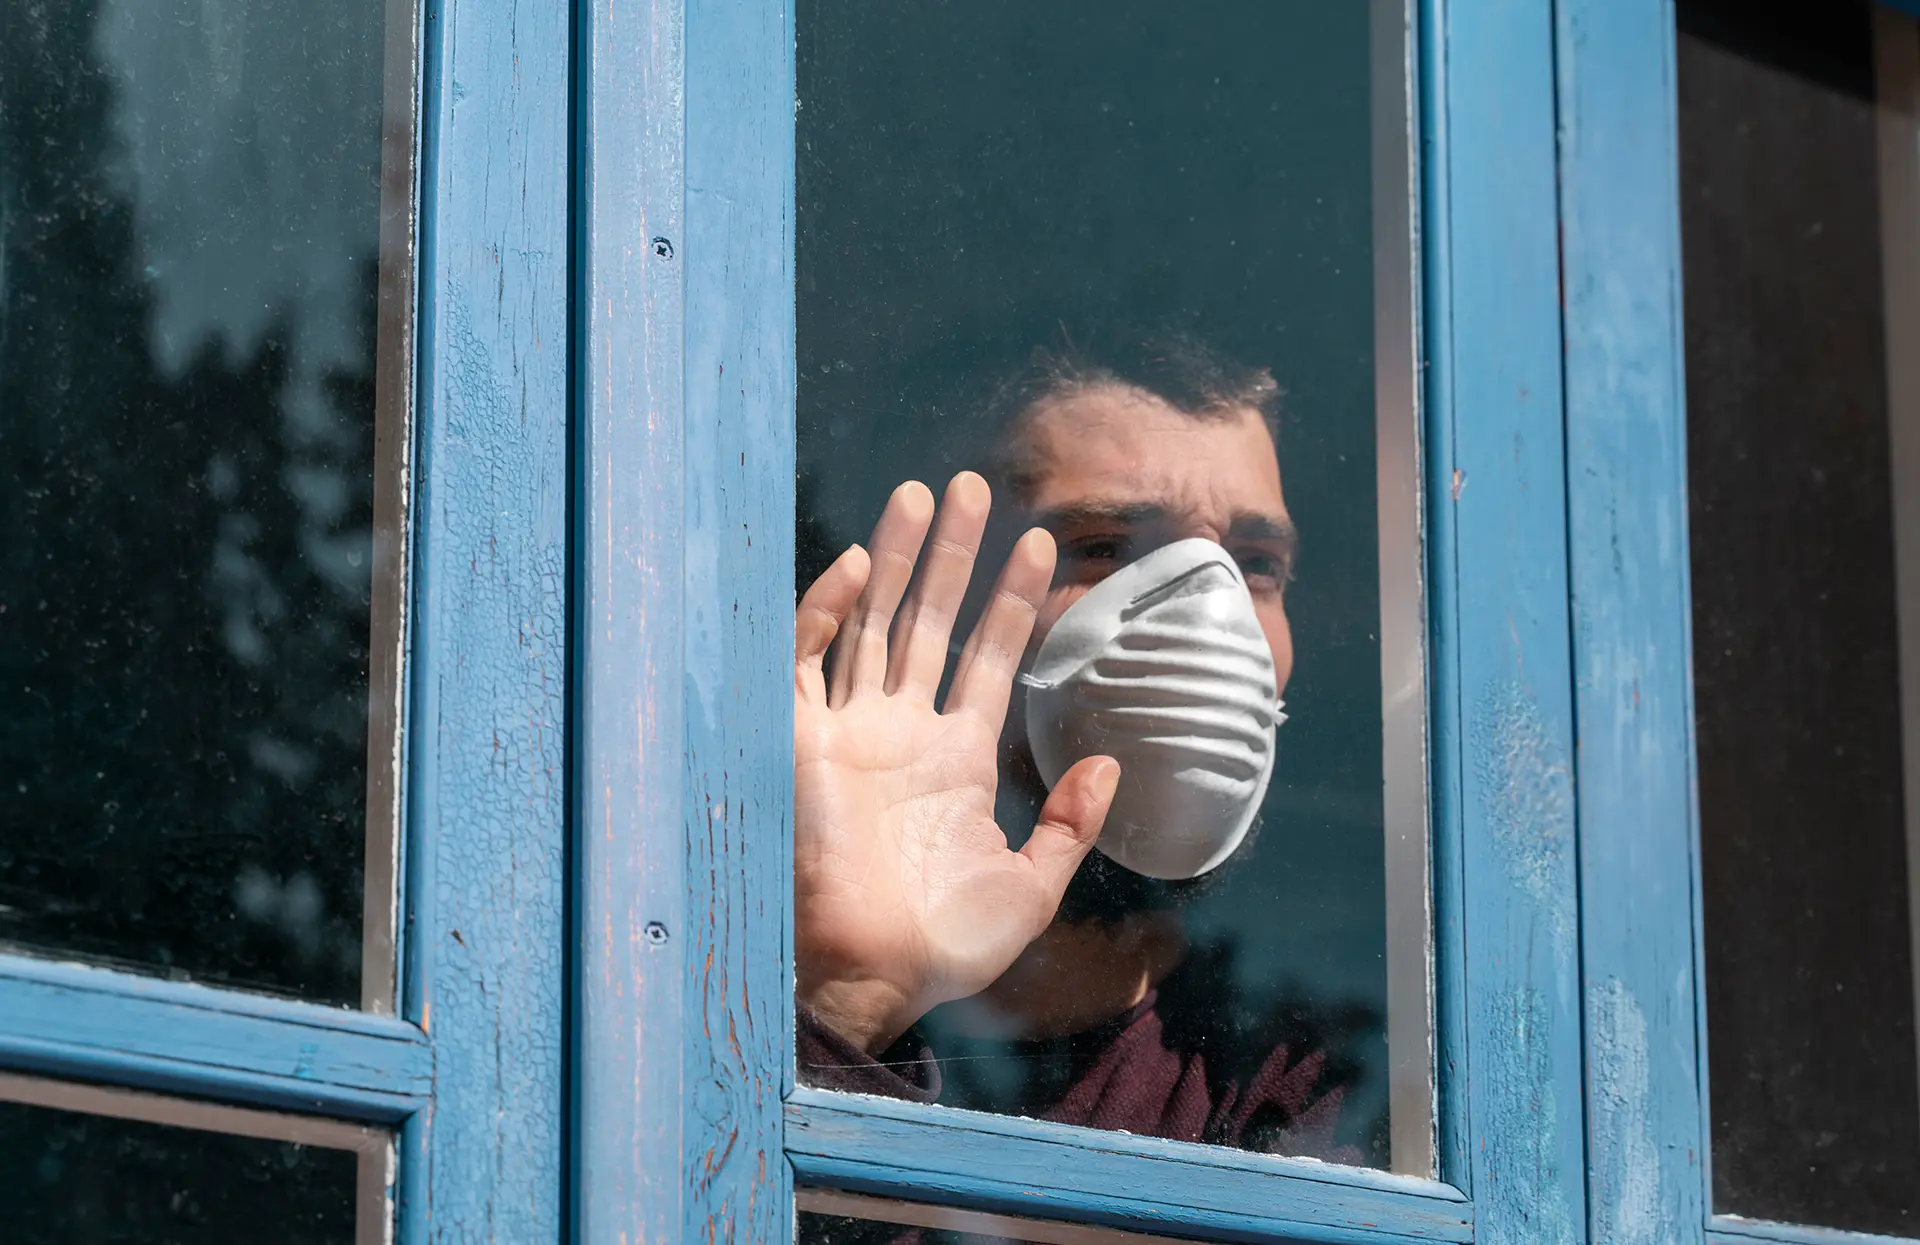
[
  {"x": 1794, "y": 158},
  {"x": 1146, "y": 270},
  {"x": 817, "y": 1229},
  {"x": 190, "y": 310},
  {"x": 73, "y": 1177},
  {"x": 832, "y": 1218}
]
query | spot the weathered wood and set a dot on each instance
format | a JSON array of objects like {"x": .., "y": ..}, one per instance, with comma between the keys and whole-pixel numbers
[
  {"x": 1453, "y": 1150},
  {"x": 687, "y": 585},
  {"x": 171, "y": 1037},
  {"x": 1503, "y": 718},
  {"x": 486, "y": 784},
  {"x": 1733, "y": 1230},
  {"x": 687, "y": 599},
  {"x": 739, "y": 614},
  {"x": 1627, "y": 536},
  {"x": 1009, "y": 1165},
  {"x": 634, "y": 1098}
]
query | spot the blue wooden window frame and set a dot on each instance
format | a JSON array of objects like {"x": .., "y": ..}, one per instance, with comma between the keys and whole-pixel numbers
[
  {"x": 687, "y": 1122},
  {"x": 1641, "y": 937},
  {"x": 470, "y": 1075},
  {"x": 603, "y": 530}
]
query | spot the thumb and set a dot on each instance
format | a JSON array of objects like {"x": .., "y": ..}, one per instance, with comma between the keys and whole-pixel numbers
[{"x": 1070, "y": 822}]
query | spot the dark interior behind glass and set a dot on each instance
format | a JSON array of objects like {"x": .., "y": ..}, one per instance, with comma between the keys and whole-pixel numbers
[
  {"x": 813, "y": 1228},
  {"x": 976, "y": 180},
  {"x": 1809, "y": 985},
  {"x": 72, "y": 1178},
  {"x": 189, "y": 209}
]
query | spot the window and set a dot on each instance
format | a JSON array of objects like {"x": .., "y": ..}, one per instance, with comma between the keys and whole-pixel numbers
[
  {"x": 202, "y": 685},
  {"x": 745, "y": 261},
  {"x": 1727, "y": 160},
  {"x": 112, "y": 1164},
  {"x": 1798, "y": 163},
  {"x": 281, "y": 728},
  {"x": 1090, "y": 241},
  {"x": 422, "y": 421}
]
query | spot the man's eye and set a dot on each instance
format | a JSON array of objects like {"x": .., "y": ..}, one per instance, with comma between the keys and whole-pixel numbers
[
  {"x": 1263, "y": 570},
  {"x": 1091, "y": 559},
  {"x": 1098, "y": 549}
]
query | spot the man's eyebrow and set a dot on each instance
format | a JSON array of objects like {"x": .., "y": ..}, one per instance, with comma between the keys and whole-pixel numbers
[
  {"x": 1083, "y": 513},
  {"x": 1265, "y": 527}
]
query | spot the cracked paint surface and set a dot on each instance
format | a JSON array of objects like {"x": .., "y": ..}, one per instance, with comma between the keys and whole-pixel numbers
[{"x": 486, "y": 920}]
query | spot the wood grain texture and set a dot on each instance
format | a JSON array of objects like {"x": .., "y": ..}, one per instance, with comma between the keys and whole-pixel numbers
[
  {"x": 739, "y": 514},
  {"x": 487, "y": 736},
  {"x": 686, "y": 850},
  {"x": 631, "y": 1086},
  {"x": 1014, "y": 1166},
  {"x": 1503, "y": 713},
  {"x": 686, "y": 643},
  {"x": 1627, "y": 537},
  {"x": 94, "y": 1025}
]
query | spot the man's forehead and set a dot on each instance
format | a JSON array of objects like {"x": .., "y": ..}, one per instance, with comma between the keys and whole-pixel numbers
[{"x": 1125, "y": 446}]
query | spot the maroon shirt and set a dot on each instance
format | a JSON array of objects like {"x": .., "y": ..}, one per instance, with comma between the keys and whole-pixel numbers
[{"x": 1135, "y": 1081}]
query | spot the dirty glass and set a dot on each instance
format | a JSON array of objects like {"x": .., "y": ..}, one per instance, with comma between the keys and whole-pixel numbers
[
  {"x": 818, "y": 1229},
  {"x": 190, "y": 217},
  {"x": 1799, "y": 210},
  {"x": 1137, "y": 275},
  {"x": 76, "y": 1178},
  {"x": 854, "y": 1220}
]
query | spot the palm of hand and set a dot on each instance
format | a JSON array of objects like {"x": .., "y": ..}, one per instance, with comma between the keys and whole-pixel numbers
[
  {"x": 896, "y": 851},
  {"x": 906, "y": 894}
]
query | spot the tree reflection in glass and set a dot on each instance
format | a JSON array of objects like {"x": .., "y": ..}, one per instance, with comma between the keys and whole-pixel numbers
[{"x": 187, "y": 319}]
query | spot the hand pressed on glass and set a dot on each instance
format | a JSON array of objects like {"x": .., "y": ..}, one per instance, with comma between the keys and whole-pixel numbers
[
  {"x": 974, "y": 291},
  {"x": 1125, "y": 699},
  {"x": 907, "y": 894}
]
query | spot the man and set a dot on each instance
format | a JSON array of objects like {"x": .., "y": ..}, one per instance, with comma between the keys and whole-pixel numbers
[{"x": 907, "y": 892}]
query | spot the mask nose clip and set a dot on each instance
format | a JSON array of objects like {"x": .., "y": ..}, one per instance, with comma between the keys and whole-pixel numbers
[{"x": 1209, "y": 576}]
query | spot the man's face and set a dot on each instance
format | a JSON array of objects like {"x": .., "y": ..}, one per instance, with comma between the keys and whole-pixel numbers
[{"x": 1119, "y": 473}]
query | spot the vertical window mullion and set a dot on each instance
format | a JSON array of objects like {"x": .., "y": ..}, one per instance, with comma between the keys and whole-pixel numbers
[
  {"x": 1626, "y": 481},
  {"x": 486, "y": 739},
  {"x": 1503, "y": 729}
]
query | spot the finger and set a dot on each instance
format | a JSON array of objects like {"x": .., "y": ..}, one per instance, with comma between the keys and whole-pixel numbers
[
  {"x": 983, "y": 682},
  {"x": 918, "y": 653},
  {"x": 1069, "y": 823},
  {"x": 860, "y": 652},
  {"x": 817, "y": 619}
]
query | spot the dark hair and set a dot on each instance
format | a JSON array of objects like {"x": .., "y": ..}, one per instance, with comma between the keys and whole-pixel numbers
[{"x": 1171, "y": 365}]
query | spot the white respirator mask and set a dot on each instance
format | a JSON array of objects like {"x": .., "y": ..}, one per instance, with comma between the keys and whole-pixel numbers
[{"x": 1163, "y": 666}]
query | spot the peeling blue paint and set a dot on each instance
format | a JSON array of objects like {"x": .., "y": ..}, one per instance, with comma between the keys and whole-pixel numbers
[
  {"x": 1627, "y": 546},
  {"x": 1503, "y": 713},
  {"x": 1525, "y": 781},
  {"x": 1629, "y": 1204},
  {"x": 1522, "y": 1118},
  {"x": 485, "y": 902}
]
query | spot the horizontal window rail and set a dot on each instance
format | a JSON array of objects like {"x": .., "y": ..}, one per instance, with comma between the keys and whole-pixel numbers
[
  {"x": 1734, "y": 1230},
  {"x": 1007, "y": 1166},
  {"x": 92, "y": 1024}
]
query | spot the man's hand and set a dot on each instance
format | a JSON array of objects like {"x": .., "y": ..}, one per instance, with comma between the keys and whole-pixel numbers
[{"x": 906, "y": 894}]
